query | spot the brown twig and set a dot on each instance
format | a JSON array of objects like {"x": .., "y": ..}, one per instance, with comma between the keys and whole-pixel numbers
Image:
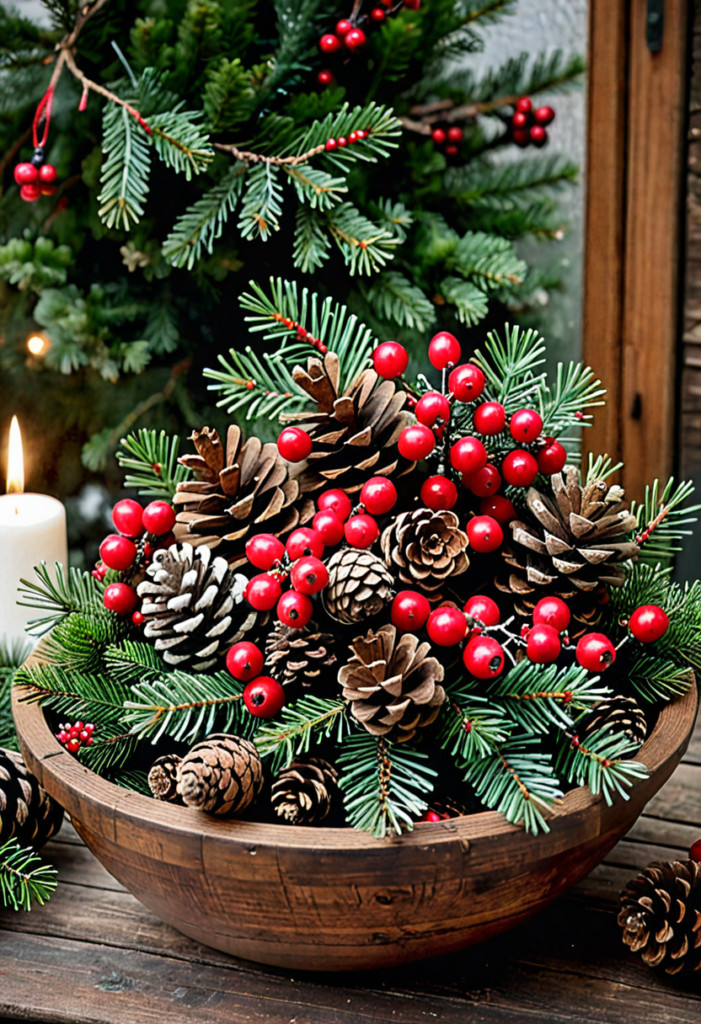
[
  {"x": 88, "y": 83},
  {"x": 258, "y": 158},
  {"x": 443, "y": 110}
]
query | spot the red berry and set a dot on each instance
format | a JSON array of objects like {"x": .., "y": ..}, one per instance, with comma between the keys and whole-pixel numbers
[
  {"x": 294, "y": 609},
  {"x": 62, "y": 736},
  {"x": 355, "y": 39},
  {"x": 390, "y": 359},
  {"x": 264, "y": 550},
  {"x": 119, "y": 598},
  {"x": 377, "y": 14},
  {"x": 127, "y": 516},
  {"x": 329, "y": 43},
  {"x": 343, "y": 27},
  {"x": 159, "y": 518},
  {"x": 552, "y": 457},
  {"x": 294, "y": 444},
  {"x": 455, "y": 134},
  {"x": 524, "y": 104},
  {"x": 443, "y": 350},
  {"x": 361, "y": 531},
  {"x": 483, "y": 657},
  {"x": 416, "y": 442},
  {"x": 466, "y": 382},
  {"x": 30, "y": 193},
  {"x": 329, "y": 526},
  {"x": 433, "y": 816},
  {"x": 410, "y": 611},
  {"x": 309, "y": 575},
  {"x": 538, "y": 135},
  {"x": 341, "y": 141},
  {"x": 26, "y": 174},
  {"x": 336, "y": 501},
  {"x": 411, "y": 5},
  {"x": 439, "y": 136},
  {"x": 595, "y": 652},
  {"x": 324, "y": 77},
  {"x": 695, "y": 851},
  {"x": 489, "y": 418},
  {"x": 519, "y": 120},
  {"x": 262, "y": 592},
  {"x": 521, "y": 136},
  {"x": 648, "y": 623},
  {"x": 484, "y": 534},
  {"x": 519, "y": 468},
  {"x": 73, "y": 745},
  {"x": 47, "y": 174},
  {"x": 264, "y": 697},
  {"x": 525, "y": 425},
  {"x": 484, "y": 481},
  {"x": 468, "y": 455},
  {"x": 499, "y": 507},
  {"x": 439, "y": 493},
  {"x": 379, "y": 495},
  {"x": 483, "y": 608},
  {"x": 543, "y": 644},
  {"x": 544, "y": 115},
  {"x": 245, "y": 661},
  {"x": 331, "y": 144},
  {"x": 446, "y": 626},
  {"x": 117, "y": 552},
  {"x": 552, "y": 611},
  {"x": 304, "y": 541},
  {"x": 138, "y": 619},
  {"x": 432, "y": 406},
  {"x": 353, "y": 137}
]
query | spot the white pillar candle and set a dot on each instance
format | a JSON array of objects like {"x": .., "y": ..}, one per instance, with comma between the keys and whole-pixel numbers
[{"x": 32, "y": 530}]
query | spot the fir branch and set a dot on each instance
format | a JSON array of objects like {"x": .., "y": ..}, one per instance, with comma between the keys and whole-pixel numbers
[
  {"x": 132, "y": 661},
  {"x": 24, "y": 878},
  {"x": 600, "y": 764},
  {"x": 517, "y": 781},
  {"x": 470, "y": 726},
  {"x": 125, "y": 171},
  {"x": 261, "y": 206},
  {"x": 365, "y": 247},
  {"x": 510, "y": 366},
  {"x": 112, "y": 749},
  {"x": 198, "y": 228},
  {"x": 150, "y": 459},
  {"x": 312, "y": 245},
  {"x": 180, "y": 141},
  {"x": 488, "y": 261},
  {"x": 470, "y": 302},
  {"x": 315, "y": 187},
  {"x": 78, "y": 642},
  {"x": 538, "y": 697},
  {"x": 12, "y": 655},
  {"x": 264, "y": 387},
  {"x": 90, "y": 697},
  {"x": 185, "y": 707},
  {"x": 58, "y": 593},
  {"x": 309, "y": 719},
  {"x": 394, "y": 297},
  {"x": 508, "y": 186},
  {"x": 664, "y": 518},
  {"x": 564, "y": 405},
  {"x": 656, "y": 678}
]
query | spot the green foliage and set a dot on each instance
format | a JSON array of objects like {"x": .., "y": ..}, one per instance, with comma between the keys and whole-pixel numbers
[
  {"x": 125, "y": 171},
  {"x": 601, "y": 764},
  {"x": 150, "y": 459},
  {"x": 33, "y": 266},
  {"x": 666, "y": 517},
  {"x": 183, "y": 706},
  {"x": 196, "y": 231},
  {"x": 471, "y": 727},
  {"x": 394, "y": 297},
  {"x": 518, "y": 780},
  {"x": 309, "y": 720},
  {"x": 58, "y": 592},
  {"x": 11, "y": 657},
  {"x": 24, "y": 878}
]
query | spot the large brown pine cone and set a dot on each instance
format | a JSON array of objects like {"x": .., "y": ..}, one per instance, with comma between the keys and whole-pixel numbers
[
  {"x": 221, "y": 775},
  {"x": 299, "y": 655},
  {"x": 236, "y": 493},
  {"x": 193, "y": 606},
  {"x": 615, "y": 714},
  {"x": 354, "y": 434},
  {"x": 303, "y": 792},
  {"x": 359, "y": 586},
  {"x": 392, "y": 686},
  {"x": 570, "y": 545},
  {"x": 27, "y": 812},
  {"x": 660, "y": 916},
  {"x": 426, "y": 548}
]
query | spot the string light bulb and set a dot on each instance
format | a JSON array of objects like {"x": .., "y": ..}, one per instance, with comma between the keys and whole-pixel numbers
[{"x": 38, "y": 344}]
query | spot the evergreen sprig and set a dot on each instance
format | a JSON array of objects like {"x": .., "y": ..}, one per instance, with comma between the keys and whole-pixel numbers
[
  {"x": 24, "y": 878},
  {"x": 601, "y": 763},
  {"x": 517, "y": 780},
  {"x": 197, "y": 229},
  {"x": 664, "y": 517},
  {"x": 58, "y": 592},
  {"x": 309, "y": 719},
  {"x": 125, "y": 171},
  {"x": 510, "y": 366},
  {"x": 150, "y": 458},
  {"x": 540, "y": 698},
  {"x": 183, "y": 706},
  {"x": 471, "y": 726},
  {"x": 12, "y": 655}
]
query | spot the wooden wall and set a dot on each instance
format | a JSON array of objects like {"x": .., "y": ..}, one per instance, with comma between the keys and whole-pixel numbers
[{"x": 690, "y": 425}]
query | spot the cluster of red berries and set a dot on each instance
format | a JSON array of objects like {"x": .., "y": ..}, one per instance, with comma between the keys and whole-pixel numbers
[
  {"x": 263, "y": 696},
  {"x": 348, "y": 37},
  {"x": 528, "y": 125},
  {"x": 342, "y": 141},
  {"x": 448, "y": 139},
  {"x": 36, "y": 178},
  {"x": 75, "y": 736},
  {"x": 121, "y": 551}
]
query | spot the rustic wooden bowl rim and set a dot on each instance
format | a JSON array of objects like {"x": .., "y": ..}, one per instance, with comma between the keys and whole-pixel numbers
[{"x": 675, "y": 720}]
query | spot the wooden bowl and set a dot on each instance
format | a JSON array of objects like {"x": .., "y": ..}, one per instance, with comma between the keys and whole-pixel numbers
[{"x": 336, "y": 899}]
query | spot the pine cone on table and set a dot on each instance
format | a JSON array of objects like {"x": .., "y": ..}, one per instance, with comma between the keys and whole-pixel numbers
[
  {"x": 221, "y": 775},
  {"x": 27, "y": 812},
  {"x": 354, "y": 434},
  {"x": 193, "y": 606},
  {"x": 570, "y": 546},
  {"x": 615, "y": 714},
  {"x": 426, "y": 548},
  {"x": 299, "y": 655},
  {"x": 393, "y": 686},
  {"x": 163, "y": 778},
  {"x": 359, "y": 586},
  {"x": 303, "y": 792},
  {"x": 238, "y": 492},
  {"x": 660, "y": 916}
]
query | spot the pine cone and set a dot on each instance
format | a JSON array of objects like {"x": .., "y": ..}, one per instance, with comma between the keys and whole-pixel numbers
[
  {"x": 615, "y": 714},
  {"x": 571, "y": 547},
  {"x": 298, "y": 655},
  {"x": 393, "y": 686},
  {"x": 359, "y": 585},
  {"x": 661, "y": 916},
  {"x": 303, "y": 792},
  {"x": 243, "y": 491},
  {"x": 354, "y": 434},
  {"x": 163, "y": 778},
  {"x": 427, "y": 548},
  {"x": 27, "y": 812},
  {"x": 221, "y": 775},
  {"x": 193, "y": 606}
]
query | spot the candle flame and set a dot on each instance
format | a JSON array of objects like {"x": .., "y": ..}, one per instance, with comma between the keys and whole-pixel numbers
[{"x": 15, "y": 461}]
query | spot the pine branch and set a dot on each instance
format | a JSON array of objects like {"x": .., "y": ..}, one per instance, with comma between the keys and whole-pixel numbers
[
  {"x": 517, "y": 781},
  {"x": 132, "y": 661},
  {"x": 312, "y": 246},
  {"x": 664, "y": 518},
  {"x": 315, "y": 187},
  {"x": 78, "y": 642},
  {"x": 394, "y": 297},
  {"x": 564, "y": 405},
  {"x": 510, "y": 366},
  {"x": 600, "y": 765},
  {"x": 58, "y": 593},
  {"x": 508, "y": 186},
  {"x": 198, "y": 228},
  {"x": 96, "y": 698},
  {"x": 488, "y": 261},
  {"x": 538, "y": 698},
  {"x": 365, "y": 247},
  {"x": 261, "y": 206},
  {"x": 309, "y": 719},
  {"x": 470, "y": 726},
  {"x": 180, "y": 141},
  {"x": 656, "y": 678},
  {"x": 150, "y": 459},
  {"x": 24, "y": 878},
  {"x": 125, "y": 171},
  {"x": 113, "y": 748},
  {"x": 470, "y": 302},
  {"x": 185, "y": 707}
]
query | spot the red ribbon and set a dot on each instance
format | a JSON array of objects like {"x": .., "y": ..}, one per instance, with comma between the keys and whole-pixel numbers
[{"x": 43, "y": 113}]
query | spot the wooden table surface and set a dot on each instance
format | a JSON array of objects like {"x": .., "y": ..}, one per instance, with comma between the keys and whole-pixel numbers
[{"x": 94, "y": 954}]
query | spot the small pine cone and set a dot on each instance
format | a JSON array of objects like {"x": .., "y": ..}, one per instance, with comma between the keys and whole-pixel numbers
[
  {"x": 163, "y": 778},
  {"x": 615, "y": 714},
  {"x": 359, "y": 586},
  {"x": 193, "y": 606},
  {"x": 303, "y": 792},
  {"x": 221, "y": 775},
  {"x": 392, "y": 685},
  {"x": 27, "y": 812},
  {"x": 660, "y": 916},
  {"x": 427, "y": 548},
  {"x": 299, "y": 655}
]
